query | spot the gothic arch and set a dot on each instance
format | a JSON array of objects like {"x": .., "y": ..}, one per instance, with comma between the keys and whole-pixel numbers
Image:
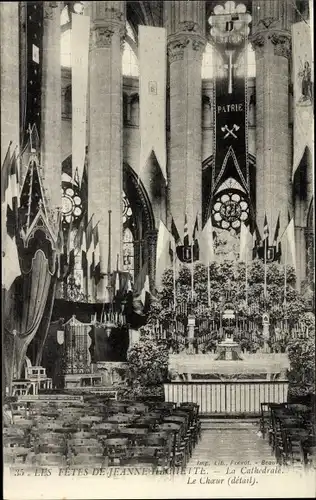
[
  {"x": 207, "y": 184},
  {"x": 137, "y": 195},
  {"x": 146, "y": 233}
]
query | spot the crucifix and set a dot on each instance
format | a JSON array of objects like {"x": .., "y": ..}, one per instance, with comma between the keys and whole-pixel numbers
[{"x": 230, "y": 66}]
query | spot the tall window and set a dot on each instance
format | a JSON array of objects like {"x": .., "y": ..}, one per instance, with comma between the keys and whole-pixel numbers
[
  {"x": 128, "y": 238},
  {"x": 129, "y": 59},
  {"x": 208, "y": 62}
]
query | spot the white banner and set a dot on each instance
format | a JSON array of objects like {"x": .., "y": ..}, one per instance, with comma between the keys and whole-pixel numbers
[
  {"x": 162, "y": 254},
  {"x": 152, "y": 95},
  {"x": 245, "y": 253},
  {"x": 79, "y": 63},
  {"x": 207, "y": 243},
  {"x": 288, "y": 253},
  {"x": 303, "y": 70}
]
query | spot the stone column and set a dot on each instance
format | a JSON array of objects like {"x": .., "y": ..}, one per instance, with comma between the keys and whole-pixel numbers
[
  {"x": 9, "y": 76},
  {"x": 185, "y": 23},
  {"x": 151, "y": 245},
  {"x": 105, "y": 125},
  {"x": 271, "y": 39},
  {"x": 51, "y": 105}
]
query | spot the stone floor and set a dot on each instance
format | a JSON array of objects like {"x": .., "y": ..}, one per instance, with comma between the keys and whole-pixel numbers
[
  {"x": 232, "y": 460},
  {"x": 224, "y": 440}
]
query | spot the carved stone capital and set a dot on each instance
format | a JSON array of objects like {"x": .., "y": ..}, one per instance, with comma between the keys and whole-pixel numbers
[
  {"x": 267, "y": 23},
  {"x": 180, "y": 43},
  {"x": 190, "y": 26},
  {"x": 176, "y": 49},
  {"x": 257, "y": 41},
  {"x": 282, "y": 44},
  {"x": 101, "y": 37},
  {"x": 198, "y": 45}
]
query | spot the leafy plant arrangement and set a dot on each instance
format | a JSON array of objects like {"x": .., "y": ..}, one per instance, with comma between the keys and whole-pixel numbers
[
  {"x": 229, "y": 278},
  {"x": 147, "y": 369},
  {"x": 301, "y": 353}
]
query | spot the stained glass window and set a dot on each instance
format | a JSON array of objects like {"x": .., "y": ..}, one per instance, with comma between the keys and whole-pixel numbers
[
  {"x": 128, "y": 238},
  {"x": 230, "y": 208}
]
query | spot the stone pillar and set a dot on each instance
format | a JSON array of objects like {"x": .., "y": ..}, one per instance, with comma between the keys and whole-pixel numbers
[
  {"x": 271, "y": 39},
  {"x": 185, "y": 23},
  {"x": 51, "y": 105},
  {"x": 9, "y": 75},
  {"x": 105, "y": 125},
  {"x": 151, "y": 246}
]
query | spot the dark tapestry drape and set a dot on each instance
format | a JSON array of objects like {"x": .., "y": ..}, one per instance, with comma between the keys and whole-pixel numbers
[{"x": 24, "y": 308}]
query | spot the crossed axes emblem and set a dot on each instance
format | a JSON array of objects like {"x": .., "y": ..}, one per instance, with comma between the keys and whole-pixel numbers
[{"x": 230, "y": 131}]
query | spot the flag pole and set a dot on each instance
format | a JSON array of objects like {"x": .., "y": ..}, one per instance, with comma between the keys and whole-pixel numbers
[
  {"x": 265, "y": 272},
  {"x": 174, "y": 281},
  {"x": 285, "y": 272},
  {"x": 246, "y": 277},
  {"x": 192, "y": 275},
  {"x": 208, "y": 285},
  {"x": 285, "y": 283}
]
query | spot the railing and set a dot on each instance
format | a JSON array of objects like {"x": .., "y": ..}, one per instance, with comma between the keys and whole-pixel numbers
[{"x": 229, "y": 397}]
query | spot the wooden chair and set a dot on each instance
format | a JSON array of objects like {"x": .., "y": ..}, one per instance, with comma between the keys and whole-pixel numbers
[
  {"x": 49, "y": 459},
  {"x": 87, "y": 459},
  {"x": 116, "y": 449},
  {"x": 14, "y": 455}
]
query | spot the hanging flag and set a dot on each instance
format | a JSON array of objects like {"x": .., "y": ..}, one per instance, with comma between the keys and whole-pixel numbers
[
  {"x": 195, "y": 241},
  {"x": 189, "y": 251},
  {"x": 257, "y": 241},
  {"x": 97, "y": 268},
  {"x": 10, "y": 258},
  {"x": 84, "y": 262},
  {"x": 186, "y": 231},
  {"x": 80, "y": 33},
  {"x": 230, "y": 94},
  {"x": 145, "y": 291},
  {"x": 288, "y": 255},
  {"x": 152, "y": 95},
  {"x": 276, "y": 232},
  {"x": 5, "y": 173},
  {"x": 89, "y": 241},
  {"x": 245, "y": 243},
  {"x": 117, "y": 277},
  {"x": 162, "y": 253},
  {"x": 303, "y": 87},
  {"x": 175, "y": 240},
  {"x": 207, "y": 243},
  {"x": 265, "y": 229}
]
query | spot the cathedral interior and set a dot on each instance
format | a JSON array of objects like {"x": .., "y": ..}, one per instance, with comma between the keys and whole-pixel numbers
[
  {"x": 157, "y": 233},
  {"x": 108, "y": 145}
]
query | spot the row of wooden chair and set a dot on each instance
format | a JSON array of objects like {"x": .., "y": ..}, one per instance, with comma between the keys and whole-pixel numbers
[
  {"x": 103, "y": 432},
  {"x": 290, "y": 430}
]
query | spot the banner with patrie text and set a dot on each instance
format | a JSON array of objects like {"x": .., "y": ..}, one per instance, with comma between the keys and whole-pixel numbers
[{"x": 230, "y": 36}]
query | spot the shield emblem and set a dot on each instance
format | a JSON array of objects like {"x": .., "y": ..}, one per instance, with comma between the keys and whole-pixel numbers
[
  {"x": 60, "y": 336},
  {"x": 270, "y": 254}
]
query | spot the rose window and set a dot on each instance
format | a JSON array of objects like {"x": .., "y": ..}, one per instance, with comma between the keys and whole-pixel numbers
[
  {"x": 71, "y": 205},
  {"x": 229, "y": 210}
]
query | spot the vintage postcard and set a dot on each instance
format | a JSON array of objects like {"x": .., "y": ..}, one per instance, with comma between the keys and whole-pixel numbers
[{"x": 158, "y": 270}]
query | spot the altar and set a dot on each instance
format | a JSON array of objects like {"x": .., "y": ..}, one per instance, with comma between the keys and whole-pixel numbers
[{"x": 201, "y": 367}]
